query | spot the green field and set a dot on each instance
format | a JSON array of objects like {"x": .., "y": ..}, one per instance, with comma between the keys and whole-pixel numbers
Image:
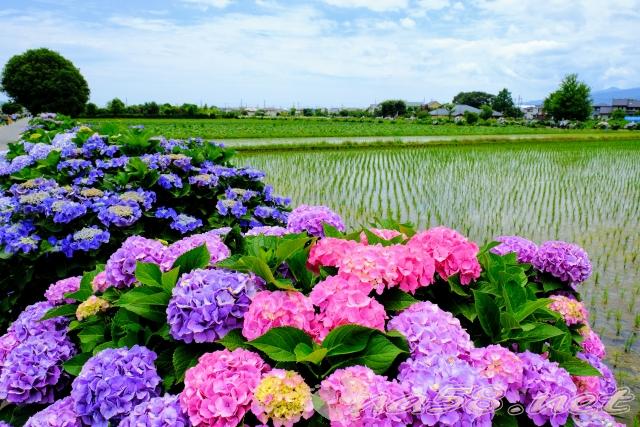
[
  {"x": 588, "y": 193},
  {"x": 314, "y": 127}
]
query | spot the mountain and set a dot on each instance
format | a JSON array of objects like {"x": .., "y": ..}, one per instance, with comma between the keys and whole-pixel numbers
[{"x": 605, "y": 96}]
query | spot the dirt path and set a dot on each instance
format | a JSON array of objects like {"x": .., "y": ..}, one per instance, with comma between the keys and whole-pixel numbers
[{"x": 10, "y": 133}]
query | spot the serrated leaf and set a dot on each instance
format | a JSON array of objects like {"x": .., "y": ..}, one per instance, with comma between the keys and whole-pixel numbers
[
  {"x": 147, "y": 302},
  {"x": 346, "y": 339},
  {"x": 306, "y": 353},
  {"x": 540, "y": 332},
  {"x": 184, "y": 357},
  {"x": 74, "y": 365},
  {"x": 66, "y": 310},
  {"x": 397, "y": 300},
  {"x": 91, "y": 336},
  {"x": 195, "y": 258},
  {"x": 488, "y": 314},
  {"x": 530, "y": 307},
  {"x": 169, "y": 279},
  {"x": 233, "y": 339}
]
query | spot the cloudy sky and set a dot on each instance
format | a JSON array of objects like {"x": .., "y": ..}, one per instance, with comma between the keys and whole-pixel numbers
[{"x": 328, "y": 52}]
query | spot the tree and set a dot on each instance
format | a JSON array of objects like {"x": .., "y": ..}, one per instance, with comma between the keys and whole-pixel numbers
[
  {"x": 503, "y": 102},
  {"x": 11, "y": 108},
  {"x": 474, "y": 99},
  {"x": 43, "y": 80},
  {"x": 392, "y": 108},
  {"x": 572, "y": 100},
  {"x": 470, "y": 117},
  {"x": 486, "y": 112},
  {"x": 91, "y": 110},
  {"x": 618, "y": 114},
  {"x": 116, "y": 107}
]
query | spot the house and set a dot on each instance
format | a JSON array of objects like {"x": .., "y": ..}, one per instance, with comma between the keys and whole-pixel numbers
[
  {"x": 532, "y": 112},
  {"x": 458, "y": 111},
  {"x": 433, "y": 105},
  {"x": 603, "y": 111}
]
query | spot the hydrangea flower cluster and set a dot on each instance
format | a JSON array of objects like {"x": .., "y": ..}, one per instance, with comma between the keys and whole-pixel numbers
[
  {"x": 32, "y": 371},
  {"x": 565, "y": 261},
  {"x": 428, "y": 377},
  {"x": 451, "y": 251},
  {"x": 387, "y": 405},
  {"x": 591, "y": 343},
  {"x": 283, "y": 397},
  {"x": 266, "y": 230},
  {"x": 603, "y": 387},
  {"x": 55, "y": 293},
  {"x": 431, "y": 331},
  {"x": 595, "y": 418},
  {"x": 157, "y": 412},
  {"x": 59, "y": 414},
  {"x": 206, "y": 304},
  {"x": 121, "y": 266},
  {"x": 525, "y": 250},
  {"x": 93, "y": 305},
  {"x": 312, "y": 219},
  {"x": 217, "y": 249},
  {"x": 573, "y": 312},
  {"x": 218, "y": 391},
  {"x": 278, "y": 308},
  {"x": 345, "y": 393},
  {"x": 543, "y": 381},
  {"x": 501, "y": 367},
  {"x": 343, "y": 301},
  {"x": 113, "y": 382}
]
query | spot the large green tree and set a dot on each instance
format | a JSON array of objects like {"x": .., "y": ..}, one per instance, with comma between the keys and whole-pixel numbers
[
  {"x": 474, "y": 99},
  {"x": 43, "y": 80},
  {"x": 503, "y": 102},
  {"x": 572, "y": 100},
  {"x": 392, "y": 108}
]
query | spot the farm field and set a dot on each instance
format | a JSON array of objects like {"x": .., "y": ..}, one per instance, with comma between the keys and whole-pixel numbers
[
  {"x": 587, "y": 193},
  {"x": 288, "y": 128}
]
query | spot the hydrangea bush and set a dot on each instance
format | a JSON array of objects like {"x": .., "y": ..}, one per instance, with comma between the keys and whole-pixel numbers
[
  {"x": 69, "y": 196},
  {"x": 381, "y": 327}
]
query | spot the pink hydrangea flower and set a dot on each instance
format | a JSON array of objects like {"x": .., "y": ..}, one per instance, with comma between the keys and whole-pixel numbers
[
  {"x": 279, "y": 308},
  {"x": 345, "y": 393},
  {"x": 373, "y": 264},
  {"x": 99, "y": 283},
  {"x": 452, "y": 253},
  {"x": 414, "y": 267},
  {"x": 592, "y": 344},
  {"x": 328, "y": 251},
  {"x": 501, "y": 367},
  {"x": 572, "y": 311},
  {"x": 345, "y": 301},
  {"x": 218, "y": 391},
  {"x": 55, "y": 293}
]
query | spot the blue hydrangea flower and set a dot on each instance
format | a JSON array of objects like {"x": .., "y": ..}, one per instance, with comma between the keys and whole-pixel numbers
[
  {"x": 73, "y": 166},
  {"x": 85, "y": 240},
  {"x": 165, "y": 213},
  {"x": 122, "y": 214},
  {"x": 64, "y": 211},
  {"x": 231, "y": 207},
  {"x": 184, "y": 223},
  {"x": 204, "y": 180},
  {"x": 207, "y": 304},
  {"x": 140, "y": 196},
  {"x": 169, "y": 181},
  {"x": 112, "y": 383},
  {"x": 115, "y": 163}
]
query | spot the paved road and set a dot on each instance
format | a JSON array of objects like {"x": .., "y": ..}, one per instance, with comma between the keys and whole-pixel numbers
[{"x": 10, "y": 133}]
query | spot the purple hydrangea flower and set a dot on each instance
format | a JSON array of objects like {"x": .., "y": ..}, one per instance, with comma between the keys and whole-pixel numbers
[
  {"x": 387, "y": 406},
  {"x": 64, "y": 211},
  {"x": 113, "y": 382},
  {"x": 156, "y": 161},
  {"x": 157, "y": 412},
  {"x": 605, "y": 385},
  {"x": 184, "y": 223},
  {"x": 207, "y": 304},
  {"x": 566, "y": 261},
  {"x": 595, "y": 418},
  {"x": 94, "y": 144},
  {"x": 85, "y": 239},
  {"x": 435, "y": 380},
  {"x": 20, "y": 162},
  {"x": 60, "y": 414},
  {"x": 121, "y": 266},
  {"x": 40, "y": 150},
  {"x": 431, "y": 331},
  {"x": 524, "y": 249},
  {"x": 2, "y": 423},
  {"x": 312, "y": 218},
  {"x": 181, "y": 161},
  {"x": 121, "y": 214},
  {"x": 267, "y": 231},
  {"x": 543, "y": 382},
  {"x": 231, "y": 207},
  {"x": 32, "y": 371},
  {"x": 217, "y": 249},
  {"x": 64, "y": 141},
  {"x": 169, "y": 181},
  {"x": 28, "y": 323},
  {"x": 252, "y": 174},
  {"x": 55, "y": 293}
]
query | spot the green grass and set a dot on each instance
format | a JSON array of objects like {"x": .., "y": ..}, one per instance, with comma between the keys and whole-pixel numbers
[
  {"x": 587, "y": 192},
  {"x": 314, "y": 127}
]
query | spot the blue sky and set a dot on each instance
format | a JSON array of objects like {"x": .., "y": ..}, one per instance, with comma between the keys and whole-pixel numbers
[{"x": 328, "y": 52}]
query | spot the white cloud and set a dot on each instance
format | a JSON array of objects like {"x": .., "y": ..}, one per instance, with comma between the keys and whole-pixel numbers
[
  {"x": 205, "y": 4},
  {"x": 433, "y": 4},
  {"x": 407, "y": 23},
  {"x": 142, "y": 24},
  {"x": 375, "y": 5}
]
